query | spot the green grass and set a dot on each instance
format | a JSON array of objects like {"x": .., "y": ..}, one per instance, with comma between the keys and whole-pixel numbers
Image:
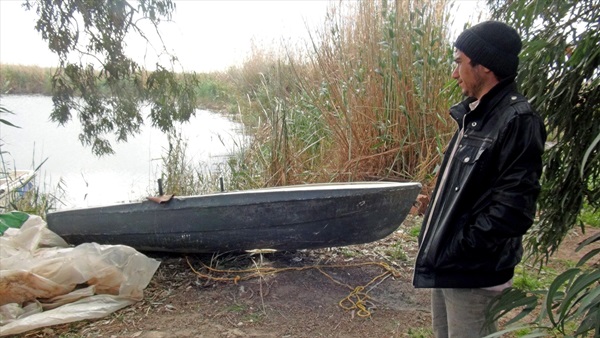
[
  {"x": 590, "y": 216},
  {"x": 236, "y": 308},
  {"x": 348, "y": 253},
  {"x": 419, "y": 332},
  {"x": 522, "y": 332},
  {"x": 397, "y": 253},
  {"x": 414, "y": 231},
  {"x": 532, "y": 278},
  {"x": 254, "y": 317}
]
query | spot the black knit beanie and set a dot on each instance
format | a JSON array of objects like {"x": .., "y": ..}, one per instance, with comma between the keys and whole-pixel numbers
[{"x": 492, "y": 44}]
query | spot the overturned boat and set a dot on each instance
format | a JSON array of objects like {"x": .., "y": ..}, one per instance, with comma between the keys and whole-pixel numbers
[{"x": 283, "y": 218}]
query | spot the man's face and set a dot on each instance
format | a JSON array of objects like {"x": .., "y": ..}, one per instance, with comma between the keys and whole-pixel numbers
[{"x": 469, "y": 78}]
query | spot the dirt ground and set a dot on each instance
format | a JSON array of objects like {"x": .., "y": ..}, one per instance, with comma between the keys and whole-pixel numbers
[{"x": 284, "y": 294}]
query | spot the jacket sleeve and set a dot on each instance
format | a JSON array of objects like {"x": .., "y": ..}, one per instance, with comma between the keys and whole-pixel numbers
[{"x": 512, "y": 201}]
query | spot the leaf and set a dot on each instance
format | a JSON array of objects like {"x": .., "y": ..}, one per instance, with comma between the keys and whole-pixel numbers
[
  {"x": 574, "y": 291},
  {"x": 587, "y": 154},
  {"x": 553, "y": 291},
  {"x": 512, "y": 299},
  {"x": 104, "y": 87},
  {"x": 589, "y": 323},
  {"x": 588, "y": 240},
  {"x": 3, "y": 121},
  {"x": 587, "y": 256},
  {"x": 588, "y": 301}
]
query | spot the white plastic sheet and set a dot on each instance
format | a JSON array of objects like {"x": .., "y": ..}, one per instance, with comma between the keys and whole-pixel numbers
[{"x": 44, "y": 282}]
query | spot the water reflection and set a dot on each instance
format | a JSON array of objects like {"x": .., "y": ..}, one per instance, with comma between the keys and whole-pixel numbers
[{"x": 129, "y": 174}]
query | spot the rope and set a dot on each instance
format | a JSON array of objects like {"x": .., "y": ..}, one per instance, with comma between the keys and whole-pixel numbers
[{"x": 357, "y": 300}]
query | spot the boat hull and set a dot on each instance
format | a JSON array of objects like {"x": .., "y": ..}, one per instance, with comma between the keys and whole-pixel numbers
[{"x": 286, "y": 218}]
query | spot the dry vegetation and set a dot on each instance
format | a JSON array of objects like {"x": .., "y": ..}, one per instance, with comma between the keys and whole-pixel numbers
[
  {"x": 365, "y": 99},
  {"x": 18, "y": 79}
]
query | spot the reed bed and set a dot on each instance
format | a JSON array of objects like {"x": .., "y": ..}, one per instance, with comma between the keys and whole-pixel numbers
[
  {"x": 19, "y": 79},
  {"x": 367, "y": 99},
  {"x": 212, "y": 89}
]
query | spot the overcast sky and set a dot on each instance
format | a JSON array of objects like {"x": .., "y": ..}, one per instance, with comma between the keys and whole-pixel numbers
[{"x": 205, "y": 35}]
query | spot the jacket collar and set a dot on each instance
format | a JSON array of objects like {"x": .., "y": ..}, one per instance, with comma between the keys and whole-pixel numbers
[{"x": 487, "y": 102}]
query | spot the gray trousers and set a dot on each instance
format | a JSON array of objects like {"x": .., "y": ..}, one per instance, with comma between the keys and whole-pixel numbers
[{"x": 461, "y": 312}]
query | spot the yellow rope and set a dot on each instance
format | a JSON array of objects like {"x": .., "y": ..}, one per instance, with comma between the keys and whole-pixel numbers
[{"x": 357, "y": 299}]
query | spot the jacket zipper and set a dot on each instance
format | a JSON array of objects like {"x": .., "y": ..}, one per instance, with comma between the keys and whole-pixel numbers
[{"x": 439, "y": 190}]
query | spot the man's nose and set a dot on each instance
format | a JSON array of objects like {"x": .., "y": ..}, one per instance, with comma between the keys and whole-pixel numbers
[{"x": 455, "y": 73}]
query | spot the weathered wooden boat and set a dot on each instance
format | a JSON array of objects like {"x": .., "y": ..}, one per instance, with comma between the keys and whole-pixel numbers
[{"x": 283, "y": 218}]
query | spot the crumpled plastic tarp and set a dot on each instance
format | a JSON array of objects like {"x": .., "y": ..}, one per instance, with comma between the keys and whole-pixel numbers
[{"x": 45, "y": 282}]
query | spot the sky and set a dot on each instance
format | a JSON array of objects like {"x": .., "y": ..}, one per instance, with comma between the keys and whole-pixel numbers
[{"x": 206, "y": 35}]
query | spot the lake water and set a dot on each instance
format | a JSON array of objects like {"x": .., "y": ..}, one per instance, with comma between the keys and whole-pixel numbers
[{"x": 128, "y": 175}]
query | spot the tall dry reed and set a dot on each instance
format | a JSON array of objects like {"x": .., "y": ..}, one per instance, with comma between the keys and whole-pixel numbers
[
  {"x": 19, "y": 79},
  {"x": 367, "y": 99},
  {"x": 387, "y": 66}
]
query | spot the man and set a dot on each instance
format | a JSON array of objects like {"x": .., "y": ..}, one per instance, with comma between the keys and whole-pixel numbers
[{"x": 485, "y": 195}]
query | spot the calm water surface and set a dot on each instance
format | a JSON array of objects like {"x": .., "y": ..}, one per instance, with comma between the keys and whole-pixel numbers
[{"x": 128, "y": 175}]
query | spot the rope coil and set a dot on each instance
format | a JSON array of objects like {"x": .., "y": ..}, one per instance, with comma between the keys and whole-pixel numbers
[{"x": 357, "y": 300}]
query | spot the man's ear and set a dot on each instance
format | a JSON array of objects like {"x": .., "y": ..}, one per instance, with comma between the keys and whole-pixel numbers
[
  {"x": 484, "y": 68},
  {"x": 488, "y": 73}
]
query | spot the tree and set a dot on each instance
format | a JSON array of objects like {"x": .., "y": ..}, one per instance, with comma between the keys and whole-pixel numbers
[
  {"x": 104, "y": 87},
  {"x": 560, "y": 73}
]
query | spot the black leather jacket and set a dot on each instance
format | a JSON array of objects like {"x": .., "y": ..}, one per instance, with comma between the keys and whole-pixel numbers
[{"x": 472, "y": 232}]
